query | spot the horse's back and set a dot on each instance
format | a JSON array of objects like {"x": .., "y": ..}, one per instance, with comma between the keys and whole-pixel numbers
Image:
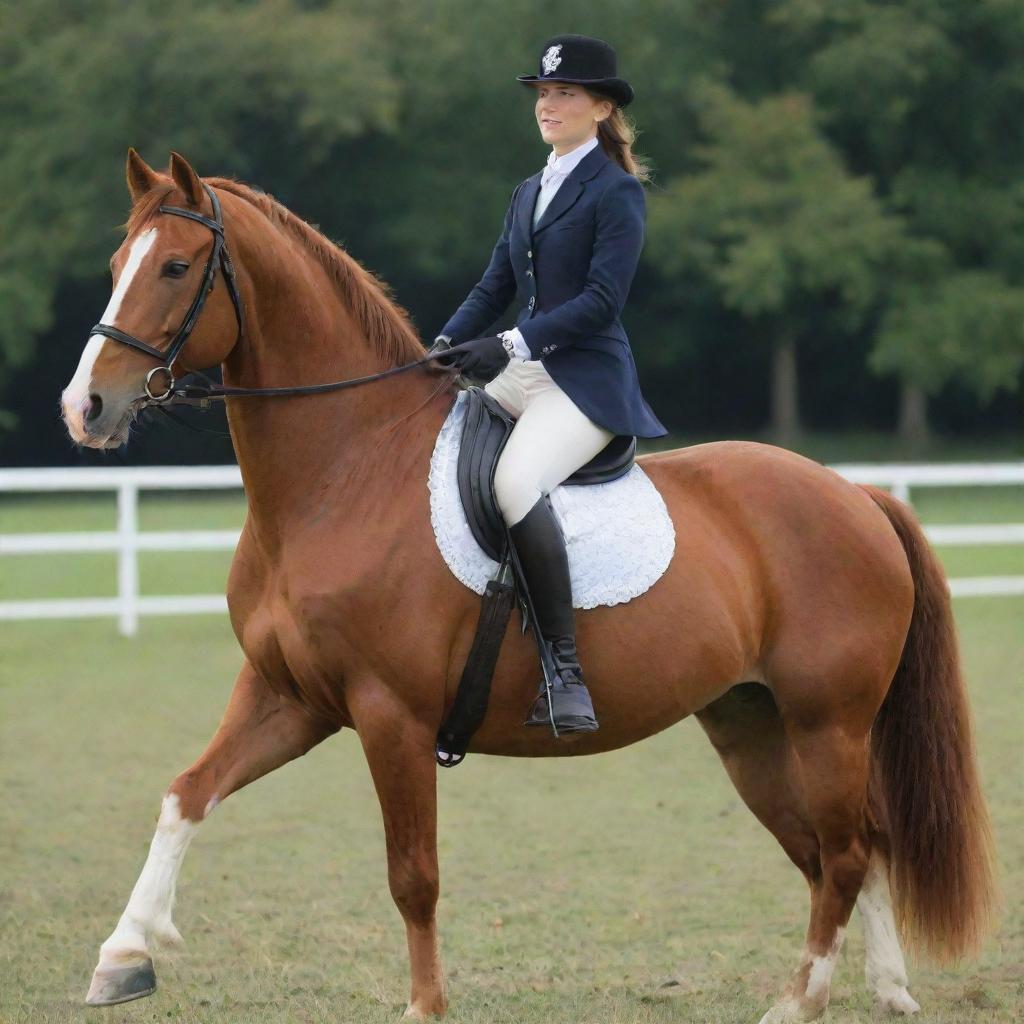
[{"x": 785, "y": 504}]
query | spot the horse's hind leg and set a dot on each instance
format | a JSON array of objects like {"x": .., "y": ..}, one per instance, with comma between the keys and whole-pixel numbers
[
  {"x": 259, "y": 732},
  {"x": 745, "y": 729},
  {"x": 832, "y": 756},
  {"x": 884, "y": 968},
  {"x": 809, "y": 791}
]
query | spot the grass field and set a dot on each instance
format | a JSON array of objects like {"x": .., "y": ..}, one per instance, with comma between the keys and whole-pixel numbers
[{"x": 632, "y": 887}]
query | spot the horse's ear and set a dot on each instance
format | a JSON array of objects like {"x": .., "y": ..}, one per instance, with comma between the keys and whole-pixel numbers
[
  {"x": 186, "y": 179},
  {"x": 141, "y": 177}
]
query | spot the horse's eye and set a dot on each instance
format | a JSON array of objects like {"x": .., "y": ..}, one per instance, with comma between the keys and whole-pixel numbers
[{"x": 176, "y": 268}]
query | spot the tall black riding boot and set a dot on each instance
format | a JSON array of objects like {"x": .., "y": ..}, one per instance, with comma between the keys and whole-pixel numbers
[{"x": 541, "y": 551}]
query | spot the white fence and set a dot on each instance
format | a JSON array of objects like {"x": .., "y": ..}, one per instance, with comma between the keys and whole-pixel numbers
[{"x": 127, "y": 540}]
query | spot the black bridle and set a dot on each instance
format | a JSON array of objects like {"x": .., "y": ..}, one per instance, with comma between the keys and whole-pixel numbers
[
  {"x": 190, "y": 394},
  {"x": 218, "y": 256}
]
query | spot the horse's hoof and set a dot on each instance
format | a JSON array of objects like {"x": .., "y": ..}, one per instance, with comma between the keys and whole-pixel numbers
[
  {"x": 791, "y": 1011},
  {"x": 897, "y": 1000},
  {"x": 419, "y": 1011},
  {"x": 112, "y": 985}
]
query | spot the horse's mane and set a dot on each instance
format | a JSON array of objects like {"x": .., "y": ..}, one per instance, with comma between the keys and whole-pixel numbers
[{"x": 386, "y": 324}]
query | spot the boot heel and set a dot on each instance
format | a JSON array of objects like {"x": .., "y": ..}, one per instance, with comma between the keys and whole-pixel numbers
[
  {"x": 540, "y": 553},
  {"x": 572, "y": 709}
]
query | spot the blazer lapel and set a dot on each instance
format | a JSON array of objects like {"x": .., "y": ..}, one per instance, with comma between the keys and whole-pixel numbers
[
  {"x": 525, "y": 205},
  {"x": 571, "y": 189}
]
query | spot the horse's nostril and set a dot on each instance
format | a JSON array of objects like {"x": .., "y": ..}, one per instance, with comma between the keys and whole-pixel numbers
[{"x": 93, "y": 407}]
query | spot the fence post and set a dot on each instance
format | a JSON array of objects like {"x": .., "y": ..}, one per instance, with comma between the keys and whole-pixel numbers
[
  {"x": 127, "y": 556},
  {"x": 901, "y": 490}
]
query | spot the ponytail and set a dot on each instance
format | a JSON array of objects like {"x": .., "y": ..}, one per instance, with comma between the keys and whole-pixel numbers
[{"x": 617, "y": 133}]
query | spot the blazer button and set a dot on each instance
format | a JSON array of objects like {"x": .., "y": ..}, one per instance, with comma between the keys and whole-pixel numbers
[
  {"x": 529, "y": 273},
  {"x": 529, "y": 252},
  {"x": 532, "y": 301}
]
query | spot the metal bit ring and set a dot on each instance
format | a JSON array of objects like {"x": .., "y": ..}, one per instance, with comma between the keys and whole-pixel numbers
[{"x": 166, "y": 394}]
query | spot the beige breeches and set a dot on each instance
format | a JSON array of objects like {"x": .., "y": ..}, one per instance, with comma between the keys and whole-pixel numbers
[{"x": 550, "y": 441}]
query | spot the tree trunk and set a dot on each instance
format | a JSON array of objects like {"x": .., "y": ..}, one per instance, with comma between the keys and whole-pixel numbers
[
  {"x": 785, "y": 411},
  {"x": 913, "y": 426}
]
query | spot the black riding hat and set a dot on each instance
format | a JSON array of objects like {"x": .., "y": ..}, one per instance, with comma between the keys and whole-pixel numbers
[{"x": 582, "y": 60}]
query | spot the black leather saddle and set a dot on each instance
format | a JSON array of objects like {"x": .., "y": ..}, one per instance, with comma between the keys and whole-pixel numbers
[{"x": 485, "y": 431}]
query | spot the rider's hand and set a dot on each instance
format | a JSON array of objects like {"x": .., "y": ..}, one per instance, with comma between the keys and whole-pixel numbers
[{"x": 480, "y": 357}]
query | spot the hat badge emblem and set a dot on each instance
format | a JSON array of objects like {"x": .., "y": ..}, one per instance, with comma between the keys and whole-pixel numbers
[{"x": 551, "y": 59}]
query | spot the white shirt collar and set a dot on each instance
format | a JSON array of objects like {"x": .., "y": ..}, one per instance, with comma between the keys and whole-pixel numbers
[{"x": 566, "y": 163}]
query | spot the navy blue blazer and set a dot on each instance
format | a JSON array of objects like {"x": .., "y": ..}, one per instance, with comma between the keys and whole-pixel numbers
[{"x": 573, "y": 272}]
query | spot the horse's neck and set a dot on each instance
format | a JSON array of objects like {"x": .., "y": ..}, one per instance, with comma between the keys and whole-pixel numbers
[{"x": 304, "y": 457}]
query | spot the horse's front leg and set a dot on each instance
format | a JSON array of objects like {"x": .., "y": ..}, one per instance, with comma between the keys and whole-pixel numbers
[
  {"x": 399, "y": 747},
  {"x": 259, "y": 732}
]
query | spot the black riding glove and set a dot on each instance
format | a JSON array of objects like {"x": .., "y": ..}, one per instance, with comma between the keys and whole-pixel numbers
[{"x": 480, "y": 357}]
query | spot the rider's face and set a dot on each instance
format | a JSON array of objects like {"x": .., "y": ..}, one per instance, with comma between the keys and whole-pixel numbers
[{"x": 567, "y": 114}]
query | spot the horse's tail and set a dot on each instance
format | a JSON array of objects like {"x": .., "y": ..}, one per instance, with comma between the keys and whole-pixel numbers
[{"x": 924, "y": 785}]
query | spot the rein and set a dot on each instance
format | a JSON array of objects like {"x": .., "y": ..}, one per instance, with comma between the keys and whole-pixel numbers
[
  {"x": 188, "y": 394},
  {"x": 178, "y": 393}
]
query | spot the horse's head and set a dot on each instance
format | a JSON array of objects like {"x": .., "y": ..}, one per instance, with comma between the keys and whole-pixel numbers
[{"x": 158, "y": 274}]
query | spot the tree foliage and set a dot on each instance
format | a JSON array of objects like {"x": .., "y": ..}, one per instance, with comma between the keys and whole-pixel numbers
[
  {"x": 236, "y": 85},
  {"x": 773, "y": 218},
  {"x": 847, "y": 173},
  {"x": 924, "y": 95}
]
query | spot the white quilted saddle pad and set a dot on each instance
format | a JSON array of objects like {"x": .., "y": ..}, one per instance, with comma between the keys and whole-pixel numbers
[{"x": 618, "y": 535}]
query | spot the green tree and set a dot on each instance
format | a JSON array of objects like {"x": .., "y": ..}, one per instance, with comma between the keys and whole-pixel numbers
[
  {"x": 924, "y": 95},
  {"x": 774, "y": 223},
  {"x": 233, "y": 86}
]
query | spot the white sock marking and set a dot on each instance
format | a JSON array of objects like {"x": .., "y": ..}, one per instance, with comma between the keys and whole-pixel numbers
[
  {"x": 884, "y": 968},
  {"x": 148, "y": 914},
  {"x": 819, "y": 980},
  {"x": 820, "y": 977}
]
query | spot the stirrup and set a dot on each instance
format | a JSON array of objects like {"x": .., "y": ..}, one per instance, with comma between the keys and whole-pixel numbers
[{"x": 571, "y": 709}]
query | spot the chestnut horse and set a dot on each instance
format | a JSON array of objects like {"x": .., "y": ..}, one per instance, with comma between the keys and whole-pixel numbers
[{"x": 803, "y": 619}]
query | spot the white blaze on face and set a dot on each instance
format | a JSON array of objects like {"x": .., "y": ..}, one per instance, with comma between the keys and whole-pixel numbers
[{"x": 78, "y": 391}]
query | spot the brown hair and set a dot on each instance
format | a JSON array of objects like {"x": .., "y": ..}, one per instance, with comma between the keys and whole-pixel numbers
[{"x": 617, "y": 133}]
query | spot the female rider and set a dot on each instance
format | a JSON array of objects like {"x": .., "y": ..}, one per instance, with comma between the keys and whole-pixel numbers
[{"x": 570, "y": 245}]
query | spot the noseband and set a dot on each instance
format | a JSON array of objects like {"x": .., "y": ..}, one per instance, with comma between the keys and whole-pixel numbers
[
  {"x": 218, "y": 255},
  {"x": 201, "y": 394}
]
